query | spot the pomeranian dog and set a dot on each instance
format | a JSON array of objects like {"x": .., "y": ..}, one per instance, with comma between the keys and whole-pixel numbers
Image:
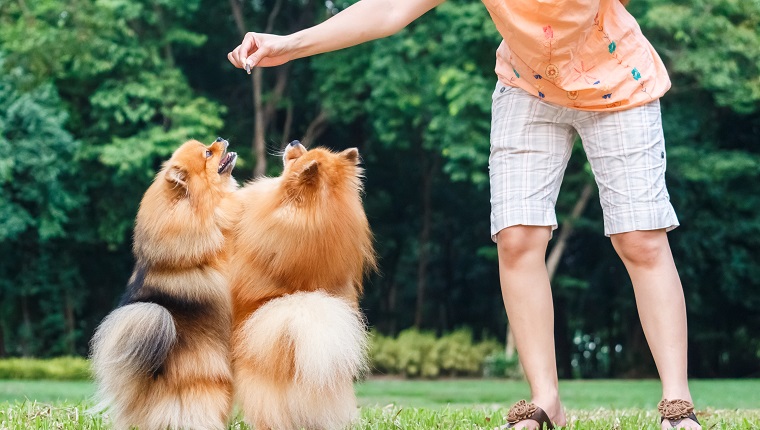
[
  {"x": 161, "y": 359},
  {"x": 301, "y": 249}
]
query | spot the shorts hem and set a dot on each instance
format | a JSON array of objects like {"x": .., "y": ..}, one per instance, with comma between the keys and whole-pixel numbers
[
  {"x": 644, "y": 217},
  {"x": 532, "y": 215}
]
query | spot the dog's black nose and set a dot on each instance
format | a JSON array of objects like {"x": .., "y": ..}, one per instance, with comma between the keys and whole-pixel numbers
[
  {"x": 219, "y": 139},
  {"x": 295, "y": 142}
]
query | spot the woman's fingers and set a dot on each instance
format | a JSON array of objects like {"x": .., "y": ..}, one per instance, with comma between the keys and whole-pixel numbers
[
  {"x": 238, "y": 55},
  {"x": 246, "y": 46},
  {"x": 253, "y": 60},
  {"x": 232, "y": 59}
]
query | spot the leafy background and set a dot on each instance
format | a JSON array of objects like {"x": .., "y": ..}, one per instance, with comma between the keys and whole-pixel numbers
[{"x": 94, "y": 94}]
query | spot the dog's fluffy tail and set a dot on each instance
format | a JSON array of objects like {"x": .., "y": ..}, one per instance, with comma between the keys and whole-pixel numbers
[
  {"x": 131, "y": 343},
  {"x": 307, "y": 348}
]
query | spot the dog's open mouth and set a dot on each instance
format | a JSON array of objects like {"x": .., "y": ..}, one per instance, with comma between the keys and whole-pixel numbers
[{"x": 227, "y": 163}]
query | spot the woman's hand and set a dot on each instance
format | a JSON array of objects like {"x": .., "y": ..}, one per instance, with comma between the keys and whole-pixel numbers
[{"x": 263, "y": 50}]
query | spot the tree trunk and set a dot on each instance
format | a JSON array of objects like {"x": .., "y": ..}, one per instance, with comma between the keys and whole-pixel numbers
[
  {"x": 287, "y": 126},
  {"x": 68, "y": 312},
  {"x": 315, "y": 129},
  {"x": 390, "y": 285},
  {"x": 392, "y": 311},
  {"x": 424, "y": 238},
  {"x": 259, "y": 144},
  {"x": 25, "y": 337},
  {"x": 511, "y": 348},
  {"x": 3, "y": 353},
  {"x": 566, "y": 230}
]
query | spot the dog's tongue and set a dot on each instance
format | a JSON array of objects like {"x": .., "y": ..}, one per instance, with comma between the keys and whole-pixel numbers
[{"x": 226, "y": 162}]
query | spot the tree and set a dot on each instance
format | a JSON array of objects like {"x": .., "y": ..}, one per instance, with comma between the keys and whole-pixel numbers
[
  {"x": 40, "y": 287},
  {"x": 110, "y": 69}
]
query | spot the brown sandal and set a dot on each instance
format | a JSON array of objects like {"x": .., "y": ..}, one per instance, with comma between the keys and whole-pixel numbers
[
  {"x": 523, "y": 410},
  {"x": 675, "y": 411}
]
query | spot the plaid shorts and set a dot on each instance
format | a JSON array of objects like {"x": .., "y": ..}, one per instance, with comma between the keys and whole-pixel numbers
[{"x": 531, "y": 142}]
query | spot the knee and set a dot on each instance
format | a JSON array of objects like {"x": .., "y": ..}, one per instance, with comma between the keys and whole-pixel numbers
[
  {"x": 641, "y": 248},
  {"x": 519, "y": 242}
]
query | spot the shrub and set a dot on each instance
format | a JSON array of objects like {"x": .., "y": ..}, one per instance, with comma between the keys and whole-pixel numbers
[
  {"x": 417, "y": 354},
  {"x": 497, "y": 365},
  {"x": 420, "y": 354},
  {"x": 61, "y": 368},
  {"x": 383, "y": 353}
]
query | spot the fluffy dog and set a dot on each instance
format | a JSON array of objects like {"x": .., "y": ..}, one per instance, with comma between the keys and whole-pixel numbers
[
  {"x": 301, "y": 249},
  {"x": 161, "y": 359}
]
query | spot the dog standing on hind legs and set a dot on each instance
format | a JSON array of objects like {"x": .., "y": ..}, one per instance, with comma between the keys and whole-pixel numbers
[
  {"x": 161, "y": 359},
  {"x": 300, "y": 251}
]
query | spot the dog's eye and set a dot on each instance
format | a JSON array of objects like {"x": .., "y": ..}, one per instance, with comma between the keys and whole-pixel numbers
[{"x": 209, "y": 154}]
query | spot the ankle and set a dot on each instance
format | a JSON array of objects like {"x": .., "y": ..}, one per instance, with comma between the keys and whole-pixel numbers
[
  {"x": 550, "y": 403},
  {"x": 677, "y": 394}
]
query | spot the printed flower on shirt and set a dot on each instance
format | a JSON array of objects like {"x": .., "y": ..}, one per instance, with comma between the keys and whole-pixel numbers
[
  {"x": 612, "y": 47},
  {"x": 538, "y": 89},
  {"x": 582, "y": 72},
  {"x": 635, "y": 73},
  {"x": 548, "y": 32},
  {"x": 552, "y": 72}
]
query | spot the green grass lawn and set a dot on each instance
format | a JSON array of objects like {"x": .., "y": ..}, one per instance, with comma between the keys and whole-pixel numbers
[{"x": 445, "y": 404}]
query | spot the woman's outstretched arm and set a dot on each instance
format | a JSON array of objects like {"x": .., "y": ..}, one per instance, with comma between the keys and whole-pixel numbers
[{"x": 361, "y": 22}]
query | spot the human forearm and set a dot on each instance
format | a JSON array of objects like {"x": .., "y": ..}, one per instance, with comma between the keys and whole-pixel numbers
[{"x": 361, "y": 22}]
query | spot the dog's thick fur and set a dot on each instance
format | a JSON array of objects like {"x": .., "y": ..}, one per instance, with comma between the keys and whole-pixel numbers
[
  {"x": 301, "y": 249},
  {"x": 161, "y": 359}
]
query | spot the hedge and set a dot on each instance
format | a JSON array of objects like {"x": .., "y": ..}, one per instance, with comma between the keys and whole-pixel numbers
[
  {"x": 413, "y": 354},
  {"x": 421, "y": 354},
  {"x": 61, "y": 368}
]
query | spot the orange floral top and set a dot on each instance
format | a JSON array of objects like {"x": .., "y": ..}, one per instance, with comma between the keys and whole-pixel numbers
[{"x": 584, "y": 54}]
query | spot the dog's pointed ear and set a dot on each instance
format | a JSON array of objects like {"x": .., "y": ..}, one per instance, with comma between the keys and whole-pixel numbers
[
  {"x": 177, "y": 175},
  {"x": 351, "y": 154},
  {"x": 309, "y": 173}
]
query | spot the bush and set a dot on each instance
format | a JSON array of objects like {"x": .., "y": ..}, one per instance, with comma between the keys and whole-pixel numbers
[
  {"x": 496, "y": 365},
  {"x": 61, "y": 368},
  {"x": 420, "y": 354},
  {"x": 383, "y": 353}
]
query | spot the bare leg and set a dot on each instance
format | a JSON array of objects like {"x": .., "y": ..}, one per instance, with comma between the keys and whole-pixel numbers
[
  {"x": 528, "y": 301},
  {"x": 661, "y": 305}
]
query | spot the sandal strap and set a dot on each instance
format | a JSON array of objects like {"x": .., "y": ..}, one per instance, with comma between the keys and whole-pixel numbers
[
  {"x": 524, "y": 410},
  {"x": 674, "y": 423}
]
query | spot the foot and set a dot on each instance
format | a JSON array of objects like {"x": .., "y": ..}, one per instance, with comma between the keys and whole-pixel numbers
[
  {"x": 553, "y": 409},
  {"x": 686, "y": 423}
]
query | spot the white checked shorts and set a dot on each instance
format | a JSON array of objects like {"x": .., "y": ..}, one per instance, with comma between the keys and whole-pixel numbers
[{"x": 531, "y": 142}]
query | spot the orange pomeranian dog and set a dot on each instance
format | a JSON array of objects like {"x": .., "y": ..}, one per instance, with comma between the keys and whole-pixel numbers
[
  {"x": 161, "y": 359},
  {"x": 301, "y": 248}
]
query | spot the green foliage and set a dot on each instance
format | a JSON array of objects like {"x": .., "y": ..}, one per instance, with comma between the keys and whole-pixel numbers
[
  {"x": 420, "y": 354},
  {"x": 58, "y": 369},
  {"x": 38, "y": 190},
  {"x": 91, "y": 102},
  {"x": 714, "y": 42},
  {"x": 40, "y": 195},
  {"x": 497, "y": 365}
]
